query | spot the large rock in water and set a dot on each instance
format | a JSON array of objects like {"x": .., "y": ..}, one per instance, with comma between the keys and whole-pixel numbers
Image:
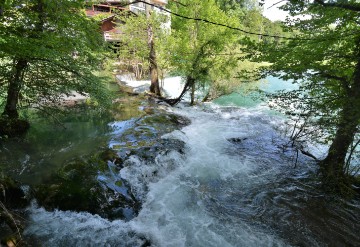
[
  {"x": 94, "y": 185},
  {"x": 144, "y": 140},
  {"x": 77, "y": 187},
  {"x": 147, "y": 154}
]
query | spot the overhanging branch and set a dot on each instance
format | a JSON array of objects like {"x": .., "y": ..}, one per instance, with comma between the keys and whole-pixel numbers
[{"x": 353, "y": 7}]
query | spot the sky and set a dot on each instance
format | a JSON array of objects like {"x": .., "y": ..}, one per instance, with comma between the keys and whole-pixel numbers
[{"x": 272, "y": 12}]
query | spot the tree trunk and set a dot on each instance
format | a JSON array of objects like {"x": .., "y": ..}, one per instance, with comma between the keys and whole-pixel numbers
[
  {"x": 154, "y": 87},
  {"x": 189, "y": 83},
  {"x": 192, "y": 100},
  {"x": 206, "y": 97},
  {"x": 14, "y": 88},
  {"x": 333, "y": 166},
  {"x": 334, "y": 163}
]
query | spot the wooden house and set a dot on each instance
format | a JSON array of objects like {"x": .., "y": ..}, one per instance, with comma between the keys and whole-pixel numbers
[{"x": 107, "y": 9}]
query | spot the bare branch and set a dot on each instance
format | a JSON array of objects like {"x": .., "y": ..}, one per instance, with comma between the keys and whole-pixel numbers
[{"x": 276, "y": 3}]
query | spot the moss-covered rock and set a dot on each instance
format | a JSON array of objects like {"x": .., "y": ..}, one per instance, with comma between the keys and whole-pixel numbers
[
  {"x": 78, "y": 186},
  {"x": 165, "y": 122},
  {"x": 147, "y": 130},
  {"x": 93, "y": 184},
  {"x": 143, "y": 139},
  {"x": 72, "y": 188}
]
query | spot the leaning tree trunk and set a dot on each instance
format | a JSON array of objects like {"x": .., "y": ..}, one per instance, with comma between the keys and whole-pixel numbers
[
  {"x": 154, "y": 87},
  {"x": 14, "y": 88},
  {"x": 333, "y": 165},
  {"x": 190, "y": 81}
]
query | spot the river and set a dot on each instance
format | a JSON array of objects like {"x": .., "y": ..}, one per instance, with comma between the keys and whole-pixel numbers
[{"x": 232, "y": 185}]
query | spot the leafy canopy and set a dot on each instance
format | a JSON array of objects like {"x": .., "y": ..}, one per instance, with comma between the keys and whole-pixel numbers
[
  {"x": 61, "y": 45},
  {"x": 196, "y": 46},
  {"x": 324, "y": 59}
]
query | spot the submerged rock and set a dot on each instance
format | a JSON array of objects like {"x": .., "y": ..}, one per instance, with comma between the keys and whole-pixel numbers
[
  {"x": 146, "y": 131},
  {"x": 147, "y": 154},
  {"x": 79, "y": 187},
  {"x": 143, "y": 138},
  {"x": 94, "y": 184},
  {"x": 236, "y": 140}
]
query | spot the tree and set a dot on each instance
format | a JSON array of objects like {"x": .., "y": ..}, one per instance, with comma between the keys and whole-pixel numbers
[
  {"x": 48, "y": 48},
  {"x": 4, "y": 4},
  {"x": 133, "y": 52},
  {"x": 195, "y": 47},
  {"x": 324, "y": 58},
  {"x": 228, "y": 5},
  {"x": 141, "y": 41},
  {"x": 154, "y": 86}
]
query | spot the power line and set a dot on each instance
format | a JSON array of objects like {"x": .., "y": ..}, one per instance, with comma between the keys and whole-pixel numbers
[{"x": 215, "y": 23}]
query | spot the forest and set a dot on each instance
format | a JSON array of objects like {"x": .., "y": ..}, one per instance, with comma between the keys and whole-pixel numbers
[{"x": 179, "y": 123}]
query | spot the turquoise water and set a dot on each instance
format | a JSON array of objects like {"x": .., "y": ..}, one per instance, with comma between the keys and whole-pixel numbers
[{"x": 248, "y": 98}]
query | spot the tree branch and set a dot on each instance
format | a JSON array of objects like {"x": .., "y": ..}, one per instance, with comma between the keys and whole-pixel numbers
[
  {"x": 329, "y": 76},
  {"x": 309, "y": 154},
  {"x": 353, "y": 7},
  {"x": 276, "y": 3}
]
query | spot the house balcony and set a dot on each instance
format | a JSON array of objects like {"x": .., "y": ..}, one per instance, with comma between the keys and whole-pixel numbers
[
  {"x": 113, "y": 35},
  {"x": 160, "y": 2}
]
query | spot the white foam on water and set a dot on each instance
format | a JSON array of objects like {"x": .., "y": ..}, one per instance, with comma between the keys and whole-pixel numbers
[
  {"x": 67, "y": 228},
  {"x": 140, "y": 173},
  {"x": 181, "y": 194},
  {"x": 175, "y": 212},
  {"x": 172, "y": 86}
]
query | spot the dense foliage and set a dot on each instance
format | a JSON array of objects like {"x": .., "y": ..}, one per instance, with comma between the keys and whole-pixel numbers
[
  {"x": 48, "y": 49},
  {"x": 202, "y": 53},
  {"x": 132, "y": 55},
  {"x": 323, "y": 56}
]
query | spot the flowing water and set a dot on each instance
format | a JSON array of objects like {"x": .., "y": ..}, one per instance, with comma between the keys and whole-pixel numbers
[{"x": 233, "y": 185}]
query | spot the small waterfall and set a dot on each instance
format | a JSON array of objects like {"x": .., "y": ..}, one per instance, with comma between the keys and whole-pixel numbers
[{"x": 233, "y": 186}]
